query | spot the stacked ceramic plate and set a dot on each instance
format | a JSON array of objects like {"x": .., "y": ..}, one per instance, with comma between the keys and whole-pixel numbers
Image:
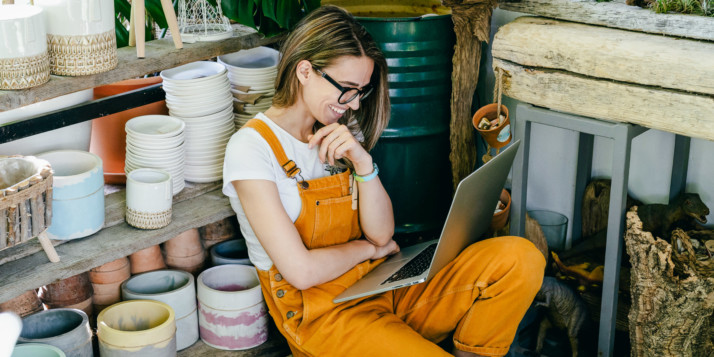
[
  {"x": 199, "y": 95},
  {"x": 252, "y": 75},
  {"x": 156, "y": 142}
]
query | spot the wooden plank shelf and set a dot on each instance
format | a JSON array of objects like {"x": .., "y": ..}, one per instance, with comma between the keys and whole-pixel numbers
[
  {"x": 160, "y": 55},
  {"x": 617, "y": 14},
  {"x": 119, "y": 240}
]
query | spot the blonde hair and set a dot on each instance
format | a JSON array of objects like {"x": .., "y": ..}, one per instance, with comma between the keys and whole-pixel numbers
[{"x": 322, "y": 37}]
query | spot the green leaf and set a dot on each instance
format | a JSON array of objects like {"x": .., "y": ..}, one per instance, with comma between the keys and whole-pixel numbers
[
  {"x": 123, "y": 8},
  {"x": 154, "y": 9},
  {"x": 310, "y": 5},
  {"x": 287, "y": 13},
  {"x": 269, "y": 27},
  {"x": 240, "y": 11},
  {"x": 268, "y": 10},
  {"x": 213, "y": 3},
  {"x": 122, "y": 33}
]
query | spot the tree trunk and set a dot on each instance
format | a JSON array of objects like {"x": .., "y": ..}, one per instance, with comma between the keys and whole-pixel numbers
[{"x": 672, "y": 304}]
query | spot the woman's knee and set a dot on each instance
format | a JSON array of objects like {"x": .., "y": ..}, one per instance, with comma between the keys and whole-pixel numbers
[{"x": 518, "y": 257}]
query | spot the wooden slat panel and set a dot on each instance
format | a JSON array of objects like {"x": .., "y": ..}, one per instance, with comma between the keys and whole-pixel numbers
[
  {"x": 677, "y": 112},
  {"x": 160, "y": 55},
  {"x": 106, "y": 245},
  {"x": 618, "y": 15},
  {"x": 602, "y": 52}
]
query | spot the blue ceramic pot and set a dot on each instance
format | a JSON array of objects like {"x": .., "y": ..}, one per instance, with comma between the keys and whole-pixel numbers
[{"x": 77, "y": 194}]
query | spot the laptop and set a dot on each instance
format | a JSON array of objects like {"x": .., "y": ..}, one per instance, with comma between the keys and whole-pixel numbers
[{"x": 469, "y": 218}]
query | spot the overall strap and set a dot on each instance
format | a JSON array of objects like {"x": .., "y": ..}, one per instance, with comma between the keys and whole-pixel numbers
[{"x": 264, "y": 130}]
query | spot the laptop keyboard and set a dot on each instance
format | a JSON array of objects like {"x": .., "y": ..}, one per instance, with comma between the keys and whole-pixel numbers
[{"x": 415, "y": 267}]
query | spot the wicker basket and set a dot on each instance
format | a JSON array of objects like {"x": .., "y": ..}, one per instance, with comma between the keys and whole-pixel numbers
[{"x": 25, "y": 199}]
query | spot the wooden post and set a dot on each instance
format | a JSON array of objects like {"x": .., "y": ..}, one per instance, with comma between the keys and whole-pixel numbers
[
  {"x": 3, "y": 224},
  {"x": 472, "y": 25},
  {"x": 24, "y": 213}
]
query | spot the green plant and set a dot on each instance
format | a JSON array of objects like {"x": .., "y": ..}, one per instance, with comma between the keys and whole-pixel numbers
[{"x": 269, "y": 17}]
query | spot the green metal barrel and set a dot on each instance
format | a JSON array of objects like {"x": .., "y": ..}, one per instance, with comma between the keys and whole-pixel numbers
[{"x": 413, "y": 152}]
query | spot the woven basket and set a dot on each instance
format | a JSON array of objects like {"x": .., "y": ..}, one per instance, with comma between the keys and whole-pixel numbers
[{"x": 25, "y": 199}]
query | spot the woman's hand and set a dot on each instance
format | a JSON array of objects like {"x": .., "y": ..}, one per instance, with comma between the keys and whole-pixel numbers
[
  {"x": 337, "y": 142},
  {"x": 388, "y": 249}
]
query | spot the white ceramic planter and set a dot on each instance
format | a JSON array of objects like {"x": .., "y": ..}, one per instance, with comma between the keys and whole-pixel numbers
[
  {"x": 78, "y": 193},
  {"x": 72, "y": 137},
  {"x": 66, "y": 329},
  {"x": 24, "y": 60},
  {"x": 175, "y": 288},
  {"x": 80, "y": 36},
  {"x": 137, "y": 328},
  {"x": 36, "y": 350},
  {"x": 231, "y": 311}
]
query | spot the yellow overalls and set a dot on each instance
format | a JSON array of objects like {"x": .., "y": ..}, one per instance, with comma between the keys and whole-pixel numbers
[{"x": 482, "y": 294}]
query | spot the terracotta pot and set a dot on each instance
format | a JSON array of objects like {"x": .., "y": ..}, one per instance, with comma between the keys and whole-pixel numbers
[
  {"x": 107, "y": 289},
  {"x": 104, "y": 300},
  {"x": 24, "y": 304},
  {"x": 499, "y": 136},
  {"x": 108, "y": 135},
  {"x": 147, "y": 259},
  {"x": 85, "y": 306},
  {"x": 191, "y": 264},
  {"x": 70, "y": 291},
  {"x": 185, "y": 244},
  {"x": 112, "y": 272},
  {"x": 219, "y": 231},
  {"x": 501, "y": 218}
]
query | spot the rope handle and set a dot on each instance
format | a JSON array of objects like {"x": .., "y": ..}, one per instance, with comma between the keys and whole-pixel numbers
[{"x": 498, "y": 93}]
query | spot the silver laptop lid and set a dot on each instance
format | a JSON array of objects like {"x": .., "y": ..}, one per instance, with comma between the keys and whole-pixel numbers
[{"x": 472, "y": 207}]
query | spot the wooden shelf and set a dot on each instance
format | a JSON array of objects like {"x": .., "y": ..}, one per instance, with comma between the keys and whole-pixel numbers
[
  {"x": 116, "y": 240},
  {"x": 618, "y": 15},
  {"x": 160, "y": 55}
]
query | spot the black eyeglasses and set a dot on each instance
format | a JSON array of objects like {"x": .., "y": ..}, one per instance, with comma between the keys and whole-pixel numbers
[{"x": 348, "y": 93}]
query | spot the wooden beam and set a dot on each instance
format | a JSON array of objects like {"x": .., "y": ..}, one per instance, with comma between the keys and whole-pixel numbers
[
  {"x": 618, "y": 15},
  {"x": 160, "y": 54},
  {"x": 108, "y": 244},
  {"x": 663, "y": 109},
  {"x": 601, "y": 52}
]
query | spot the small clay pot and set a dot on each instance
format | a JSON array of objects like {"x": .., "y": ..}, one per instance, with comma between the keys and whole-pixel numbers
[
  {"x": 185, "y": 244},
  {"x": 192, "y": 264},
  {"x": 85, "y": 306},
  {"x": 24, "y": 304},
  {"x": 147, "y": 259},
  {"x": 218, "y": 231},
  {"x": 70, "y": 291},
  {"x": 107, "y": 289},
  {"x": 112, "y": 272},
  {"x": 499, "y": 136},
  {"x": 501, "y": 218}
]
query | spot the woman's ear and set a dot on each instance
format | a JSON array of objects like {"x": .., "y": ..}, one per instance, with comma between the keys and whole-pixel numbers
[{"x": 303, "y": 70}]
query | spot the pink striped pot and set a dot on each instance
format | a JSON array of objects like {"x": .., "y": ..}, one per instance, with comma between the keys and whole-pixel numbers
[{"x": 231, "y": 311}]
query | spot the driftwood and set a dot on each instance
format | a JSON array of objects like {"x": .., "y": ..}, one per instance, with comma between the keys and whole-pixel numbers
[
  {"x": 472, "y": 25},
  {"x": 672, "y": 302}
]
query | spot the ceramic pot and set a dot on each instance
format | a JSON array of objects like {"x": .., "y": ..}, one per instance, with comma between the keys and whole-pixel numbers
[
  {"x": 232, "y": 251},
  {"x": 149, "y": 197},
  {"x": 175, "y": 288},
  {"x": 107, "y": 289},
  {"x": 231, "y": 310},
  {"x": 499, "y": 136},
  {"x": 85, "y": 306},
  {"x": 147, "y": 259},
  {"x": 137, "y": 328},
  {"x": 112, "y": 272},
  {"x": 108, "y": 135},
  {"x": 500, "y": 219},
  {"x": 24, "y": 60},
  {"x": 70, "y": 291},
  {"x": 77, "y": 194},
  {"x": 73, "y": 137},
  {"x": 185, "y": 244},
  {"x": 218, "y": 231},
  {"x": 66, "y": 329},
  {"x": 183, "y": 263},
  {"x": 80, "y": 36},
  {"x": 36, "y": 350},
  {"x": 24, "y": 304}
]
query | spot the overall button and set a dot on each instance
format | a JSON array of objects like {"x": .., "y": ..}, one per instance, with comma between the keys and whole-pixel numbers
[
  {"x": 290, "y": 314},
  {"x": 278, "y": 277},
  {"x": 280, "y": 293}
]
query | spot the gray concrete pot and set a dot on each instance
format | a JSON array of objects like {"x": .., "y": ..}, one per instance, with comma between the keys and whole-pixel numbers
[
  {"x": 175, "y": 288},
  {"x": 232, "y": 251},
  {"x": 66, "y": 329}
]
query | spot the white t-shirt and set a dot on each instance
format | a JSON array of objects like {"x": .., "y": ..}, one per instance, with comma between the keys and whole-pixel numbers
[{"x": 249, "y": 157}]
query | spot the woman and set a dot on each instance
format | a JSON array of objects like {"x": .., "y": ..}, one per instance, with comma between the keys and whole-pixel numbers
[{"x": 316, "y": 217}]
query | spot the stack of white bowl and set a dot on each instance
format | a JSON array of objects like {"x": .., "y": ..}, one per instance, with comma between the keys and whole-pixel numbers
[
  {"x": 252, "y": 73},
  {"x": 199, "y": 94},
  {"x": 156, "y": 142}
]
